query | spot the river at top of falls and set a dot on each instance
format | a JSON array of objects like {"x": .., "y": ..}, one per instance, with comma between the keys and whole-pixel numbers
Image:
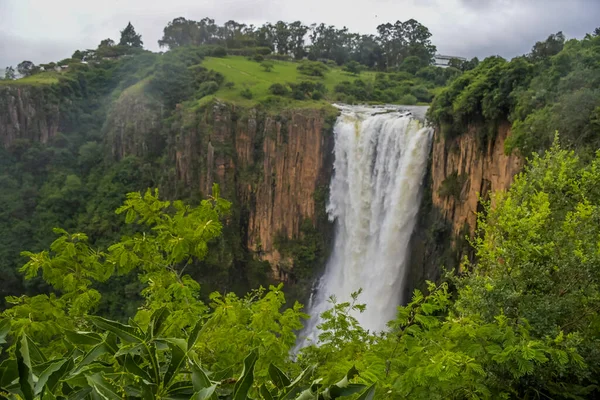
[{"x": 381, "y": 157}]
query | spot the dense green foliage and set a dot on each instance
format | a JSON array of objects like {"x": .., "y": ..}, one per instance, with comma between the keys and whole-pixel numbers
[
  {"x": 554, "y": 87},
  {"x": 523, "y": 323}
]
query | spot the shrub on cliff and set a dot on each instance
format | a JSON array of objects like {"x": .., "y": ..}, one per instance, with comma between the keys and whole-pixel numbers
[
  {"x": 278, "y": 89},
  {"x": 246, "y": 93},
  {"x": 207, "y": 88}
]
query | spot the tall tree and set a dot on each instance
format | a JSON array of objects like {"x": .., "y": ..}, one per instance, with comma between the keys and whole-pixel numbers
[
  {"x": 265, "y": 36},
  {"x": 107, "y": 43},
  {"x": 184, "y": 32},
  {"x": 297, "y": 33},
  {"x": 417, "y": 37},
  {"x": 9, "y": 73},
  {"x": 26, "y": 68},
  {"x": 130, "y": 38},
  {"x": 232, "y": 33},
  {"x": 405, "y": 39},
  {"x": 282, "y": 37},
  {"x": 551, "y": 46}
]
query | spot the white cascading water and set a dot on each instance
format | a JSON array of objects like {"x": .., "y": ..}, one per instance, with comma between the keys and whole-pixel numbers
[{"x": 380, "y": 162}]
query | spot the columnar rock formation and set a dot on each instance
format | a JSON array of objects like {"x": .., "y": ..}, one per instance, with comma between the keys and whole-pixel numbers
[
  {"x": 271, "y": 165},
  {"x": 481, "y": 170},
  {"x": 27, "y": 112}
]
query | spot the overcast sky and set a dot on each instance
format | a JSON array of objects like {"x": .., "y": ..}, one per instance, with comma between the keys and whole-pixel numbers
[{"x": 50, "y": 30}]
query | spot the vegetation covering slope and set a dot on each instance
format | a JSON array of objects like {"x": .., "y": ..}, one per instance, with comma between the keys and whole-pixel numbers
[{"x": 552, "y": 88}]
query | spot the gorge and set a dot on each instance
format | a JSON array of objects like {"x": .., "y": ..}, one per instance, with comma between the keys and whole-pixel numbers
[{"x": 279, "y": 171}]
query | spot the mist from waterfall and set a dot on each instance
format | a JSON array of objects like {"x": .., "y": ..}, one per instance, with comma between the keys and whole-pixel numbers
[{"x": 380, "y": 162}]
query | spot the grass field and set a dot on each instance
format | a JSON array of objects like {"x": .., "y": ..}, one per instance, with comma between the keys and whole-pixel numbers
[
  {"x": 247, "y": 74},
  {"x": 43, "y": 78}
]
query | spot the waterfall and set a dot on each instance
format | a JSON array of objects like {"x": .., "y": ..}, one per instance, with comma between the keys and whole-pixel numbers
[{"x": 375, "y": 192}]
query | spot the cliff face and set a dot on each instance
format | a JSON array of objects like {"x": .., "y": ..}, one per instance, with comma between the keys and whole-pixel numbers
[
  {"x": 462, "y": 171},
  {"x": 27, "y": 112},
  {"x": 133, "y": 124},
  {"x": 271, "y": 166}
]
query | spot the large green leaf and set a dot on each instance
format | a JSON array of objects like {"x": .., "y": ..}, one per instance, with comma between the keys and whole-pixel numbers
[
  {"x": 293, "y": 389},
  {"x": 52, "y": 375},
  {"x": 80, "y": 394},
  {"x": 343, "y": 387},
  {"x": 205, "y": 394},
  {"x": 334, "y": 391},
  {"x": 132, "y": 349},
  {"x": 4, "y": 329},
  {"x": 103, "y": 387},
  {"x": 35, "y": 354},
  {"x": 199, "y": 378},
  {"x": 157, "y": 321},
  {"x": 178, "y": 358},
  {"x": 222, "y": 374},
  {"x": 91, "y": 356},
  {"x": 9, "y": 372},
  {"x": 194, "y": 334},
  {"x": 368, "y": 394},
  {"x": 24, "y": 367},
  {"x": 277, "y": 376},
  {"x": 180, "y": 390},
  {"x": 244, "y": 383},
  {"x": 126, "y": 333},
  {"x": 131, "y": 366},
  {"x": 264, "y": 392},
  {"x": 312, "y": 392},
  {"x": 83, "y": 338}
]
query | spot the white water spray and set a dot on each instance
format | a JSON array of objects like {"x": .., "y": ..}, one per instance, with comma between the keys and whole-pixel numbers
[{"x": 375, "y": 193}]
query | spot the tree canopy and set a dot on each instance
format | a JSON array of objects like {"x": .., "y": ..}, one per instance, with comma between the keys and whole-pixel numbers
[
  {"x": 130, "y": 38},
  {"x": 388, "y": 49}
]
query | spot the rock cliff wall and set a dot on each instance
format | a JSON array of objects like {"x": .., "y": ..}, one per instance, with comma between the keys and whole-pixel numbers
[
  {"x": 475, "y": 171},
  {"x": 270, "y": 165},
  {"x": 133, "y": 124},
  {"x": 460, "y": 171},
  {"x": 27, "y": 112}
]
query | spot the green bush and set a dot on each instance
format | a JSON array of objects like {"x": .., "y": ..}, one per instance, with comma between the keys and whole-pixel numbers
[
  {"x": 313, "y": 68},
  {"x": 407, "y": 99},
  {"x": 267, "y": 65},
  {"x": 421, "y": 93},
  {"x": 452, "y": 186},
  {"x": 218, "y": 51},
  {"x": 207, "y": 88},
  {"x": 353, "y": 67},
  {"x": 411, "y": 64},
  {"x": 246, "y": 93},
  {"x": 278, "y": 89},
  {"x": 307, "y": 89}
]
